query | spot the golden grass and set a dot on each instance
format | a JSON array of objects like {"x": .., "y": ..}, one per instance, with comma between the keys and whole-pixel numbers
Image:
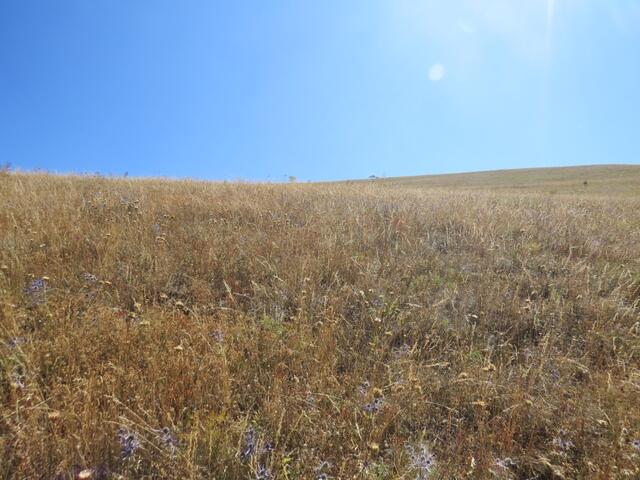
[
  {"x": 602, "y": 180},
  {"x": 350, "y": 324}
]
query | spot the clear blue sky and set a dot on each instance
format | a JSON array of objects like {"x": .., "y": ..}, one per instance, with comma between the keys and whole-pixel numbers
[{"x": 317, "y": 89}]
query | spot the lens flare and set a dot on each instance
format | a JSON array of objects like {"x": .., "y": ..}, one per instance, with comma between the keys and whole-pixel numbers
[{"x": 551, "y": 13}]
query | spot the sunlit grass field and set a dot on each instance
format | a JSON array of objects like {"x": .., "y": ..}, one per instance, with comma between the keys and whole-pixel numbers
[
  {"x": 587, "y": 181},
  {"x": 179, "y": 329}
]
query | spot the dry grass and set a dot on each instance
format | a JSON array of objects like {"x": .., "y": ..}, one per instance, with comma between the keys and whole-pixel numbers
[
  {"x": 602, "y": 180},
  {"x": 348, "y": 324}
]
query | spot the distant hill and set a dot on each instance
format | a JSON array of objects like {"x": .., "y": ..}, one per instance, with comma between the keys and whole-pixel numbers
[{"x": 600, "y": 179}]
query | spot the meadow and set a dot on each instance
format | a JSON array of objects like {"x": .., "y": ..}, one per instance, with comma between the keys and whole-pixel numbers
[{"x": 365, "y": 330}]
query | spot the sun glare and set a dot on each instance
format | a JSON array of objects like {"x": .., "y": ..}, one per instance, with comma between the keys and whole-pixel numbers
[
  {"x": 551, "y": 12},
  {"x": 436, "y": 72}
]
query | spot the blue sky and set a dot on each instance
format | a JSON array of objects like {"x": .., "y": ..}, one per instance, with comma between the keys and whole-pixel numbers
[{"x": 327, "y": 89}]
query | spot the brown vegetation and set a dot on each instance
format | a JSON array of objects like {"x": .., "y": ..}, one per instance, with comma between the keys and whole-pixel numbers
[
  {"x": 587, "y": 181},
  {"x": 157, "y": 329}
]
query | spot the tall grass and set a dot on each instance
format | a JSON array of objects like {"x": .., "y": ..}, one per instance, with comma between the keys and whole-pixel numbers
[{"x": 158, "y": 329}]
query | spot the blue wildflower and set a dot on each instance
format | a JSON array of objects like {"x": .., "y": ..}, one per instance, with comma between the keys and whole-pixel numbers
[
  {"x": 268, "y": 448},
  {"x": 249, "y": 445},
  {"x": 374, "y": 406},
  {"x": 89, "y": 277},
  {"x": 311, "y": 400},
  {"x": 15, "y": 342},
  {"x": 422, "y": 460},
  {"x": 129, "y": 442},
  {"x": 562, "y": 442},
  {"x": 36, "y": 291},
  {"x": 263, "y": 473},
  {"x": 168, "y": 439},
  {"x": 319, "y": 474},
  {"x": 363, "y": 389},
  {"x": 505, "y": 463},
  {"x": 217, "y": 335},
  {"x": 18, "y": 377},
  {"x": 401, "y": 351}
]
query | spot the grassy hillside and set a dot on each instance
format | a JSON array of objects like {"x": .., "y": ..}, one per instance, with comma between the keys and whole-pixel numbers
[
  {"x": 601, "y": 180},
  {"x": 157, "y": 329}
]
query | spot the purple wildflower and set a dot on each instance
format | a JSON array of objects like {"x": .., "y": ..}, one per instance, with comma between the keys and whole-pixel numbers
[
  {"x": 168, "y": 439},
  {"x": 217, "y": 335},
  {"x": 401, "y": 351},
  {"x": 37, "y": 290},
  {"x": 249, "y": 445},
  {"x": 422, "y": 460},
  {"x": 15, "y": 342},
  {"x": 18, "y": 377},
  {"x": 311, "y": 400},
  {"x": 375, "y": 406},
  {"x": 319, "y": 474},
  {"x": 364, "y": 388},
  {"x": 268, "y": 448},
  {"x": 562, "y": 442},
  {"x": 89, "y": 277},
  {"x": 263, "y": 473},
  {"x": 505, "y": 463},
  {"x": 129, "y": 442}
]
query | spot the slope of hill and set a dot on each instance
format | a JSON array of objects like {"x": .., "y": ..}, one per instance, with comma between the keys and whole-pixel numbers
[
  {"x": 165, "y": 329},
  {"x": 601, "y": 180}
]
